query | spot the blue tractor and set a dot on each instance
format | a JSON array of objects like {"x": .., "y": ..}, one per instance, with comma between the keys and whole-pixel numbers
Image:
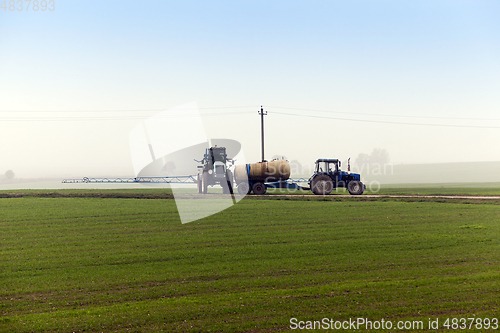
[{"x": 328, "y": 176}]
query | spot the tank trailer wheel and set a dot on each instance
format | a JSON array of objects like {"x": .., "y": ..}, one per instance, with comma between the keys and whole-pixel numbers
[
  {"x": 322, "y": 185},
  {"x": 244, "y": 188},
  {"x": 204, "y": 181},
  {"x": 259, "y": 188},
  {"x": 355, "y": 188}
]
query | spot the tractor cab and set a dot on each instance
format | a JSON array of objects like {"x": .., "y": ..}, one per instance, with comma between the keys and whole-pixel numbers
[
  {"x": 217, "y": 159},
  {"x": 218, "y": 154},
  {"x": 327, "y": 165}
]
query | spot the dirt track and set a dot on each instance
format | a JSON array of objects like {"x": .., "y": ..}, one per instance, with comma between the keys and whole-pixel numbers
[
  {"x": 426, "y": 196},
  {"x": 333, "y": 196},
  {"x": 379, "y": 196}
]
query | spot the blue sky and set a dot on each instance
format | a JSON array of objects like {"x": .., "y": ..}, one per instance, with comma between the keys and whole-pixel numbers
[{"x": 358, "y": 60}]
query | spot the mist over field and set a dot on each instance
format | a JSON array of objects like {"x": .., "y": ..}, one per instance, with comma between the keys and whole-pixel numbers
[{"x": 337, "y": 79}]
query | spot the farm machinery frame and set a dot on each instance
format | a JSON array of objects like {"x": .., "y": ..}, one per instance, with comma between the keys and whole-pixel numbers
[{"x": 215, "y": 170}]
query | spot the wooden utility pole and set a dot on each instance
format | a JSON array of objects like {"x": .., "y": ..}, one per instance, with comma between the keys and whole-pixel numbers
[{"x": 262, "y": 114}]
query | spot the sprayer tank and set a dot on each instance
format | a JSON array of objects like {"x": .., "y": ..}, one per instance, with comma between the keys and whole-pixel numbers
[{"x": 272, "y": 171}]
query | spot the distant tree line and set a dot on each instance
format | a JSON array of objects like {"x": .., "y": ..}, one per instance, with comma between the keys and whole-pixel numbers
[{"x": 379, "y": 156}]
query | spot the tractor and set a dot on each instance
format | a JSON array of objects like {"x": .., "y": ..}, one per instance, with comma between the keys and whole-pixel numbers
[
  {"x": 328, "y": 176},
  {"x": 214, "y": 170}
]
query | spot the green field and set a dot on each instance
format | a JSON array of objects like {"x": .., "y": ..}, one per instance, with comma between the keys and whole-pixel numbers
[
  {"x": 103, "y": 261},
  {"x": 454, "y": 189}
]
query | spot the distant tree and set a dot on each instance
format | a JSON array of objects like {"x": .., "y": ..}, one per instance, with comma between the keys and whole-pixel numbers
[
  {"x": 362, "y": 159},
  {"x": 380, "y": 156},
  {"x": 9, "y": 174}
]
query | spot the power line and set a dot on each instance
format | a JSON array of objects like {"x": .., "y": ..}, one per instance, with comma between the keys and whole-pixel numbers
[
  {"x": 382, "y": 121},
  {"x": 382, "y": 115},
  {"x": 103, "y": 117},
  {"x": 245, "y": 107},
  {"x": 121, "y": 110},
  {"x": 125, "y": 117}
]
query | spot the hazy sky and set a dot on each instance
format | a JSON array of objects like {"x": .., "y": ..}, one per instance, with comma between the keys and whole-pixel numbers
[{"x": 338, "y": 78}]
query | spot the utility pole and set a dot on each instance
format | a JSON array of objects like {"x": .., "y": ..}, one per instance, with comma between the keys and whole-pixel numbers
[{"x": 262, "y": 114}]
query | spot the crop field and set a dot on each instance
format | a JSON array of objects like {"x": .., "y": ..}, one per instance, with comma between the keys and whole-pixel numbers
[{"x": 106, "y": 261}]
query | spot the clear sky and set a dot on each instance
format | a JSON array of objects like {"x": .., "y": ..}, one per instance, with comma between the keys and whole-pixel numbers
[{"x": 420, "y": 79}]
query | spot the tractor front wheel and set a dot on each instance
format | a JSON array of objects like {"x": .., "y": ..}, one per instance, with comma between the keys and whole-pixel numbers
[
  {"x": 355, "y": 188},
  {"x": 322, "y": 185}
]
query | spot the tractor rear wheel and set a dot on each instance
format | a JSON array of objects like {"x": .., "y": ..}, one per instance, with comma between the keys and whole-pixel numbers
[
  {"x": 322, "y": 185},
  {"x": 259, "y": 188},
  {"x": 204, "y": 180},
  {"x": 199, "y": 184},
  {"x": 355, "y": 187},
  {"x": 244, "y": 188}
]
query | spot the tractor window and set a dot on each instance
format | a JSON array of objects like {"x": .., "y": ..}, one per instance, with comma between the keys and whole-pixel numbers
[
  {"x": 219, "y": 155},
  {"x": 327, "y": 166},
  {"x": 322, "y": 167}
]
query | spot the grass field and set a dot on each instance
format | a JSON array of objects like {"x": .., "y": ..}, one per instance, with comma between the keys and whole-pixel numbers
[
  {"x": 103, "y": 261},
  {"x": 482, "y": 189}
]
